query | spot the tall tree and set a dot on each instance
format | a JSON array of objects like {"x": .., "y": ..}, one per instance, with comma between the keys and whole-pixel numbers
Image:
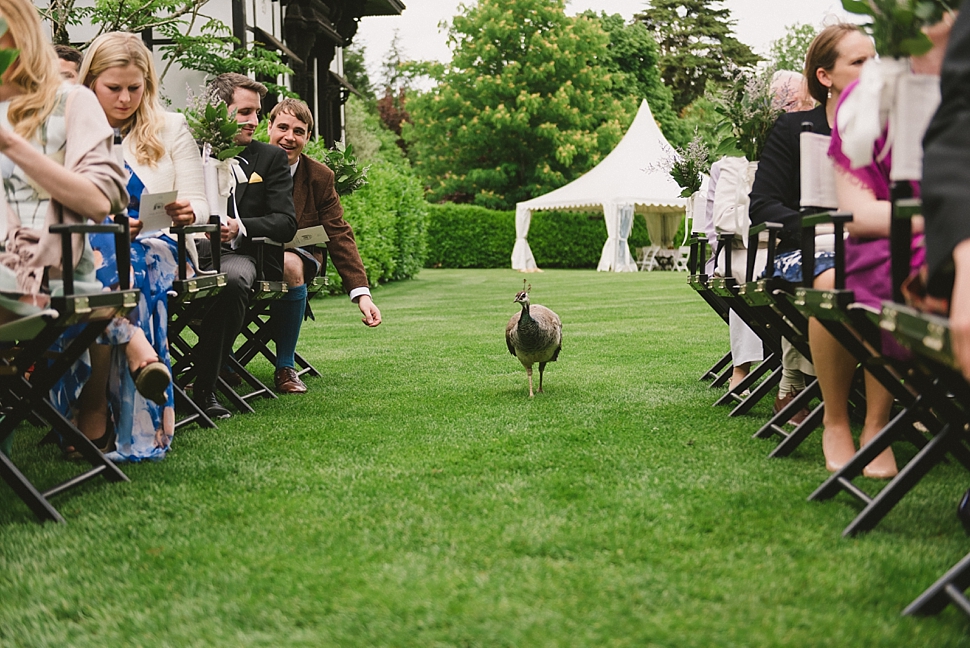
[
  {"x": 634, "y": 61},
  {"x": 788, "y": 52},
  {"x": 355, "y": 71},
  {"x": 525, "y": 105},
  {"x": 697, "y": 44}
]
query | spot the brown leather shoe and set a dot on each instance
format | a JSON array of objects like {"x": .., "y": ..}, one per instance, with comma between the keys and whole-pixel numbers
[
  {"x": 287, "y": 382},
  {"x": 782, "y": 402}
]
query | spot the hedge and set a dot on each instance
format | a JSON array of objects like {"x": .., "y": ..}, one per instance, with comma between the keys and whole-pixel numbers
[
  {"x": 467, "y": 236},
  {"x": 389, "y": 216}
]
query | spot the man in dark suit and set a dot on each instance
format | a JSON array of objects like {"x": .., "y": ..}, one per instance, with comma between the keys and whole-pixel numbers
[
  {"x": 316, "y": 202},
  {"x": 264, "y": 199},
  {"x": 946, "y": 188}
]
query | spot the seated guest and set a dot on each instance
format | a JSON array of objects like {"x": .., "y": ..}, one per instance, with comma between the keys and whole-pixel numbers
[
  {"x": 316, "y": 202},
  {"x": 69, "y": 60},
  {"x": 160, "y": 155},
  {"x": 787, "y": 93},
  {"x": 265, "y": 209},
  {"x": 864, "y": 192},
  {"x": 946, "y": 189},
  {"x": 834, "y": 59},
  {"x": 58, "y": 166}
]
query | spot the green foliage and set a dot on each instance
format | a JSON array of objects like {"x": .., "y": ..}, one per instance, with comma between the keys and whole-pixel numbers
[
  {"x": 7, "y": 55},
  {"x": 696, "y": 46},
  {"x": 468, "y": 236},
  {"x": 524, "y": 107},
  {"x": 788, "y": 52},
  {"x": 355, "y": 71},
  {"x": 350, "y": 175},
  {"x": 632, "y": 61},
  {"x": 212, "y": 50},
  {"x": 389, "y": 217},
  {"x": 747, "y": 114},
  {"x": 211, "y": 123},
  {"x": 687, "y": 165},
  {"x": 701, "y": 118},
  {"x": 895, "y": 25},
  {"x": 215, "y": 52},
  {"x": 371, "y": 140}
]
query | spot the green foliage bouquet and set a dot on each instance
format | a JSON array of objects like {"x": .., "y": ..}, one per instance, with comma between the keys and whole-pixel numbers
[
  {"x": 212, "y": 124},
  {"x": 687, "y": 165},
  {"x": 350, "y": 175},
  {"x": 747, "y": 113},
  {"x": 896, "y": 25}
]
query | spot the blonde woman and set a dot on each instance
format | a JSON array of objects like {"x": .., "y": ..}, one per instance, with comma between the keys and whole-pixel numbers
[
  {"x": 57, "y": 165},
  {"x": 160, "y": 156}
]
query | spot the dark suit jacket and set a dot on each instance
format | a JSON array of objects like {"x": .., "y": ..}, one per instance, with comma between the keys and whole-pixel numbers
[
  {"x": 265, "y": 202},
  {"x": 317, "y": 203},
  {"x": 777, "y": 188},
  {"x": 946, "y": 161}
]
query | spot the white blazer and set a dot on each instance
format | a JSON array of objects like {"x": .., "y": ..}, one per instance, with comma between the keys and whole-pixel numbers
[{"x": 180, "y": 168}]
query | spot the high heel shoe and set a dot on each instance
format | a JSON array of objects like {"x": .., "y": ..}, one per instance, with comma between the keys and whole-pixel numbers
[{"x": 152, "y": 381}]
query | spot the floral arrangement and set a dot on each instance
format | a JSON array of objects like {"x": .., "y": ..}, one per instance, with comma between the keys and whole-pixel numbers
[
  {"x": 747, "y": 114},
  {"x": 895, "y": 25},
  {"x": 686, "y": 166},
  {"x": 212, "y": 124}
]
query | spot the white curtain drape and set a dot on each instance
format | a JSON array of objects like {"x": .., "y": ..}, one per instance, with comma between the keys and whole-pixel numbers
[
  {"x": 616, "y": 255},
  {"x": 522, "y": 258}
]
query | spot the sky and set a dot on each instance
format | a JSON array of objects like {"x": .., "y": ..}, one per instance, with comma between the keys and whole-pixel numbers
[{"x": 757, "y": 23}]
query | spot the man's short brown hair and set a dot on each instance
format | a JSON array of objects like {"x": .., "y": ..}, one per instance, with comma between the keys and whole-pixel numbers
[
  {"x": 295, "y": 107},
  {"x": 69, "y": 54},
  {"x": 224, "y": 86}
]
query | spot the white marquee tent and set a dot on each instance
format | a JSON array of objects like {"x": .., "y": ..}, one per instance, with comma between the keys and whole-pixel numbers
[{"x": 621, "y": 185}]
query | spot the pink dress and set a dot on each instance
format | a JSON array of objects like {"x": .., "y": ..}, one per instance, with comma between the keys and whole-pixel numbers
[{"x": 867, "y": 260}]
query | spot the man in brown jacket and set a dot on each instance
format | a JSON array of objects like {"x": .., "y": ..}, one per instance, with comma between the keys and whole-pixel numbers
[{"x": 316, "y": 202}]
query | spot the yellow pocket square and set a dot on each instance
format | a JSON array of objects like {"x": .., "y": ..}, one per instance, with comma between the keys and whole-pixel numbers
[{"x": 253, "y": 179}]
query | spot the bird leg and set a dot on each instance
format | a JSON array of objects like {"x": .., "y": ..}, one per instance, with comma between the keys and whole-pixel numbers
[
  {"x": 528, "y": 371},
  {"x": 542, "y": 366}
]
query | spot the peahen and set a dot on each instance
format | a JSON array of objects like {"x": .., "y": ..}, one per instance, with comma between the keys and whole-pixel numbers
[{"x": 534, "y": 334}]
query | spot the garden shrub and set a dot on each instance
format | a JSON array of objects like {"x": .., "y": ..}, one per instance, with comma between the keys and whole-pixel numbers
[
  {"x": 467, "y": 236},
  {"x": 389, "y": 218}
]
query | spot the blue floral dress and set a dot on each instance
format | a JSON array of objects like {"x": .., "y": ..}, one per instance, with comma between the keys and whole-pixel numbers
[{"x": 154, "y": 266}]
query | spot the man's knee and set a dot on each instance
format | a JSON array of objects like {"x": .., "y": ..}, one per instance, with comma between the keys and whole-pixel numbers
[{"x": 293, "y": 269}]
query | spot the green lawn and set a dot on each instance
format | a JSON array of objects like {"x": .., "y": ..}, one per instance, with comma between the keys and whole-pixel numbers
[{"x": 417, "y": 497}]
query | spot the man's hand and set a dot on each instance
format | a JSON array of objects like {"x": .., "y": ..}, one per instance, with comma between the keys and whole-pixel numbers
[
  {"x": 960, "y": 307},
  {"x": 230, "y": 230},
  {"x": 181, "y": 213},
  {"x": 372, "y": 314}
]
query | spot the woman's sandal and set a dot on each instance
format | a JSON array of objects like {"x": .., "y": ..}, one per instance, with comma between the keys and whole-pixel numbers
[
  {"x": 105, "y": 443},
  {"x": 152, "y": 381}
]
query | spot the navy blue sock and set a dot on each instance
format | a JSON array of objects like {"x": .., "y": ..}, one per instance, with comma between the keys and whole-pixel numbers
[{"x": 287, "y": 317}]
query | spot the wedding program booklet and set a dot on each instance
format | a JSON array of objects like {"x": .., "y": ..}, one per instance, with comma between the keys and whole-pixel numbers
[
  {"x": 315, "y": 235},
  {"x": 151, "y": 211}
]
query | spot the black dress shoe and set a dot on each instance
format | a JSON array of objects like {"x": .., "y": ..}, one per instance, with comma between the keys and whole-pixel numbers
[
  {"x": 213, "y": 408},
  {"x": 963, "y": 512}
]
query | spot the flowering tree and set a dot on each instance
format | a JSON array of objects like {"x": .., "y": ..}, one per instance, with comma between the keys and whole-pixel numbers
[{"x": 524, "y": 107}]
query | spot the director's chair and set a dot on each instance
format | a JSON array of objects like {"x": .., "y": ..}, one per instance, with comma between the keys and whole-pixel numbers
[{"x": 23, "y": 396}]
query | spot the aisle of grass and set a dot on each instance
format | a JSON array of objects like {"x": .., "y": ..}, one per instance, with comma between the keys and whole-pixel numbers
[{"x": 417, "y": 497}]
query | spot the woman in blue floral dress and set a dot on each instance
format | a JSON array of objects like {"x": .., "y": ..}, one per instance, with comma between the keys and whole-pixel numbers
[{"x": 160, "y": 156}]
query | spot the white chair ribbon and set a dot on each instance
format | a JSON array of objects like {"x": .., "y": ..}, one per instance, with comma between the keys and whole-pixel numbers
[{"x": 864, "y": 114}]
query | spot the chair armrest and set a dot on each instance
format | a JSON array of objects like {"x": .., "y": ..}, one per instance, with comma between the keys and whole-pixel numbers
[
  {"x": 122, "y": 247},
  {"x": 181, "y": 235},
  {"x": 264, "y": 246}
]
